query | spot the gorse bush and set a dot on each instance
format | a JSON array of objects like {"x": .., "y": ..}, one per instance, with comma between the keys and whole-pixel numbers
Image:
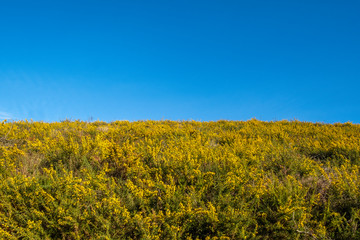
[{"x": 179, "y": 180}]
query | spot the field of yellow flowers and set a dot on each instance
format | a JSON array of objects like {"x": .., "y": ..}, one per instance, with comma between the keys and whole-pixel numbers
[{"x": 179, "y": 180}]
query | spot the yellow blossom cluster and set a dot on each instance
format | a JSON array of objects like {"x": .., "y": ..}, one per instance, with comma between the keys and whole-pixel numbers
[{"x": 179, "y": 180}]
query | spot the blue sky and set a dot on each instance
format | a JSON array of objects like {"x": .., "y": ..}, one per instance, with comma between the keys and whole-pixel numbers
[{"x": 180, "y": 60}]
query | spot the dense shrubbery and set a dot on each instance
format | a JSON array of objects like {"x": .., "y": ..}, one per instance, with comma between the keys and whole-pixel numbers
[{"x": 179, "y": 180}]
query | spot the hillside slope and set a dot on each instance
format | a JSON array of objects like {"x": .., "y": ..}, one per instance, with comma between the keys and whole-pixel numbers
[{"x": 179, "y": 180}]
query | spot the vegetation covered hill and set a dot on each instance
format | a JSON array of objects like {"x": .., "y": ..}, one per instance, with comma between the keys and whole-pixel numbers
[{"x": 179, "y": 180}]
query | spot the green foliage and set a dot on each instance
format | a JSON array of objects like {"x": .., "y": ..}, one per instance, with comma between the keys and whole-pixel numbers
[{"x": 179, "y": 180}]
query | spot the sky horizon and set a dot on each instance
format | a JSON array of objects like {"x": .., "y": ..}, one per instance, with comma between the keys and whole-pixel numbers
[{"x": 180, "y": 60}]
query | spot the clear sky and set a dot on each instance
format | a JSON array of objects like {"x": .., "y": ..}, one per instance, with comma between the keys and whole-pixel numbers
[{"x": 180, "y": 60}]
